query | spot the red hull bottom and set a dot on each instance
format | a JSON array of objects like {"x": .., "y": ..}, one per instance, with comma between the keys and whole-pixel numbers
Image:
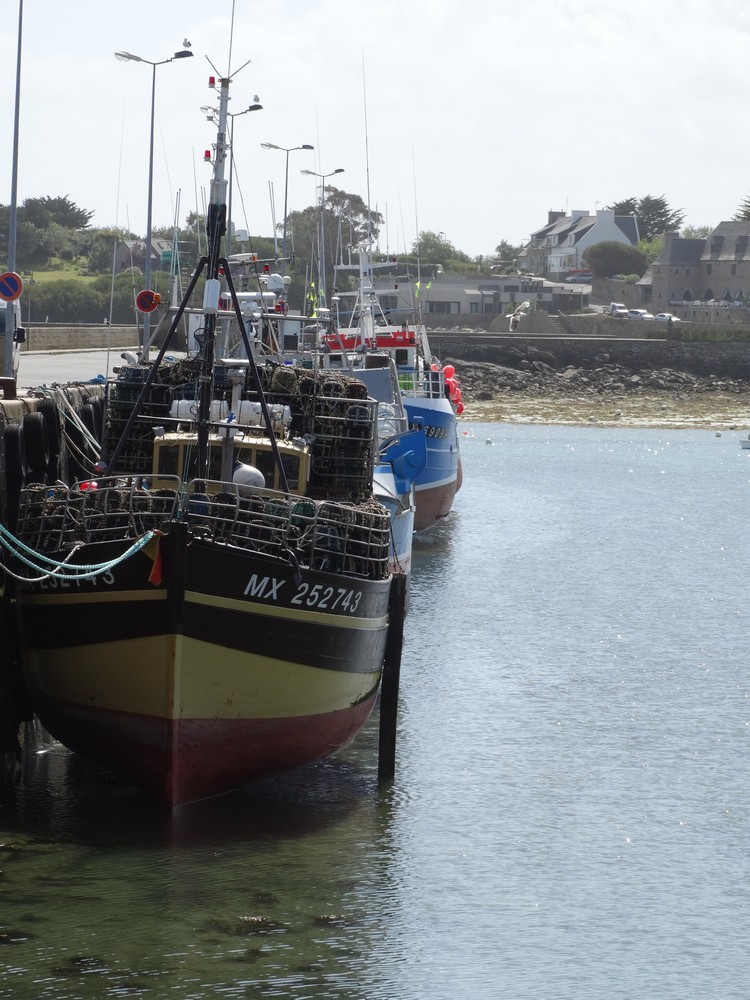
[
  {"x": 433, "y": 505},
  {"x": 191, "y": 759}
]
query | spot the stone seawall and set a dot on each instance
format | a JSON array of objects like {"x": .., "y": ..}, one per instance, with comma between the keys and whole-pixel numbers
[
  {"x": 46, "y": 337},
  {"x": 728, "y": 360}
]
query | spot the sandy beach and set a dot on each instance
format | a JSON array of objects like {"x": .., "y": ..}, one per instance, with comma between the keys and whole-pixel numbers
[{"x": 707, "y": 410}]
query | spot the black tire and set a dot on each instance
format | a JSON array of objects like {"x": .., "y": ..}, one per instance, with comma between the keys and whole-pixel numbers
[
  {"x": 37, "y": 445},
  {"x": 49, "y": 410},
  {"x": 15, "y": 455},
  {"x": 15, "y": 471},
  {"x": 88, "y": 418}
]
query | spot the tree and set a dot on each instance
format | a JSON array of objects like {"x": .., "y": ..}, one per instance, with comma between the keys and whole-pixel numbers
[
  {"x": 611, "y": 257},
  {"x": 61, "y": 210},
  {"x": 654, "y": 215},
  {"x": 346, "y": 223},
  {"x": 505, "y": 257},
  {"x": 700, "y": 232},
  {"x": 651, "y": 248},
  {"x": 434, "y": 248},
  {"x": 743, "y": 212}
]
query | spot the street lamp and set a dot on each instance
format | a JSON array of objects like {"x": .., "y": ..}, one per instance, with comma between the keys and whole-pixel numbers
[
  {"x": 212, "y": 115},
  {"x": 321, "y": 249},
  {"x": 129, "y": 57},
  {"x": 287, "y": 150}
]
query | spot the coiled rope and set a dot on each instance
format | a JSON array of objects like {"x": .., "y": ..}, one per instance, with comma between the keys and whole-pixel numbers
[{"x": 61, "y": 569}]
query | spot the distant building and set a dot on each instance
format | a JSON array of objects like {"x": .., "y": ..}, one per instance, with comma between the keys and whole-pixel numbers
[
  {"x": 702, "y": 279},
  {"x": 132, "y": 253},
  {"x": 447, "y": 299},
  {"x": 556, "y": 249}
]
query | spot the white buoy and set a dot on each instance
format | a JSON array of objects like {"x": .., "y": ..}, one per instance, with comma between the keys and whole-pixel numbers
[{"x": 248, "y": 478}]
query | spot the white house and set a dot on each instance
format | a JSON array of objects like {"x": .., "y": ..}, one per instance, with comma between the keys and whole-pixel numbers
[{"x": 558, "y": 247}]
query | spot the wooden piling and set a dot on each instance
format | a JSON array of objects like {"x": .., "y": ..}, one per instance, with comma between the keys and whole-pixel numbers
[{"x": 391, "y": 679}]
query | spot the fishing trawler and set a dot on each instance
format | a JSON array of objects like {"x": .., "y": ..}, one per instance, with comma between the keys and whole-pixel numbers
[
  {"x": 430, "y": 391},
  {"x": 213, "y": 607}
]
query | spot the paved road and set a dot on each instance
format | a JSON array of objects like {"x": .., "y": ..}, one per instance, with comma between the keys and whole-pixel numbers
[{"x": 39, "y": 368}]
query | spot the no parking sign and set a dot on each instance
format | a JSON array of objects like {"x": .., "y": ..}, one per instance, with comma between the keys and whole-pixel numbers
[
  {"x": 11, "y": 286},
  {"x": 147, "y": 300}
]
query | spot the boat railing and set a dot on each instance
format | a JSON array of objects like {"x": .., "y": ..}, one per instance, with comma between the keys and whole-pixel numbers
[
  {"x": 56, "y": 517},
  {"x": 422, "y": 385},
  {"x": 352, "y": 538}
]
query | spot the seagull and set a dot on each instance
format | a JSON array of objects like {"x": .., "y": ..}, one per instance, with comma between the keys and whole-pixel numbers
[{"x": 185, "y": 43}]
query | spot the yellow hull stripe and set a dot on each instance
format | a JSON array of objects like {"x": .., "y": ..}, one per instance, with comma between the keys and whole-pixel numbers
[{"x": 176, "y": 677}]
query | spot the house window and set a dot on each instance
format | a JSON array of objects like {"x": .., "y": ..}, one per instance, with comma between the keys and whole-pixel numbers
[
  {"x": 708, "y": 268},
  {"x": 443, "y": 307},
  {"x": 734, "y": 269},
  {"x": 473, "y": 307}
]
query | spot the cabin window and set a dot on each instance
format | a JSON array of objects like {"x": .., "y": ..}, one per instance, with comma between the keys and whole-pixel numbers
[
  {"x": 190, "y": 463},
  {"x": 168, "y": 460},
  {"x": 291, "y": 468},
  {"x": 401, "y": 357}
]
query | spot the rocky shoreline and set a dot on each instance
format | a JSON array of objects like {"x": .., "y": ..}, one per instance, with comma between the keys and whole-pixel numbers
[{"x": 534, "y": 390}]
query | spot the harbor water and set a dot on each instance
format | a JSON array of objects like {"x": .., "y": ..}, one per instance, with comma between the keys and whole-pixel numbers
[{"x": 570, "y": 818}]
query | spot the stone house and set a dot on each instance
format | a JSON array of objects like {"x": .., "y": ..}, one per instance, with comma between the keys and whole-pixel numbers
[
  {"x": 557, "y": 248},
  {"x": 132, "y": 253},
  {"x": 700, "y": 274}
]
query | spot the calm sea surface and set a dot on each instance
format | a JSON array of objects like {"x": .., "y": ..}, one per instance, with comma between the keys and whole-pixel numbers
[{"x": 571, "y": 812}]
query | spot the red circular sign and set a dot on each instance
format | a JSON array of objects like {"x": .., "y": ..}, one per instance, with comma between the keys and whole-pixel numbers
[
  {"x": 147, "y": 300},
  {"x": 11, "y": 286}
]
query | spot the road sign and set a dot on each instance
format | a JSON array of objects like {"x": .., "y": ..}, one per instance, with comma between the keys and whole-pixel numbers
[
  {"x": 147, "y": 300},
  {"x": 11, "y": 286}
]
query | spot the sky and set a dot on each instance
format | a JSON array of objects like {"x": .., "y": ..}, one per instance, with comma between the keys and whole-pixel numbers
[{"x": 472, "y": 120}]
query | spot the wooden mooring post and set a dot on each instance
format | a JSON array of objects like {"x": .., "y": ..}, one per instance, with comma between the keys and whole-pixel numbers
[{"x": 391, "y": 679}]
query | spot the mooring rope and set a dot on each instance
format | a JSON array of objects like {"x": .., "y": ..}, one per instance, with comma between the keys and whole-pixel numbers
[{"x": 61, "y": 570}]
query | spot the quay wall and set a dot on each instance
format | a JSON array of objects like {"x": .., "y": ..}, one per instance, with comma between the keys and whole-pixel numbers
[
  {"x": 47, "y": 337},
  {"x": 725, "y": 359},
  {"x": 581, "y": 343}
]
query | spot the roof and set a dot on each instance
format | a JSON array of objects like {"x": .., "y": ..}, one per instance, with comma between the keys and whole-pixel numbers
[
  {"x": 680, "y": 252},
  {"x": 728, "y": 241},
  {"x": 628, "y": 226}
]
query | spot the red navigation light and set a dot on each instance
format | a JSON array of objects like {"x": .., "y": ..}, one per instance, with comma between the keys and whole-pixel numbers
[
  {"x": 266, "y": 268},
  {"x": 221, "y": 272},
  {"x": 207, "y": 155},
  {"x": 212, "y": 81}
]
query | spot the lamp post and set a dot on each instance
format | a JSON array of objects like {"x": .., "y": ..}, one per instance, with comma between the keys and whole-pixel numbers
[
  {"x": 287, "y": 150},
  {"x": 129, "y": 57},
  {"x": 321, "y": 249}
]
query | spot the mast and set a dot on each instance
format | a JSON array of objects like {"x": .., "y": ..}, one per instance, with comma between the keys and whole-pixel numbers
[{"x": 216, "y": 224}]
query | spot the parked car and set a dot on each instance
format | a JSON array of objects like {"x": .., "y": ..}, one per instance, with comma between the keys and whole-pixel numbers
[
  {"x": 639, "y": 314},
  {"x": 667, "y": 316},
  {"x": 579, "y": 279},
  {"x": 618, "y": 309}
]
